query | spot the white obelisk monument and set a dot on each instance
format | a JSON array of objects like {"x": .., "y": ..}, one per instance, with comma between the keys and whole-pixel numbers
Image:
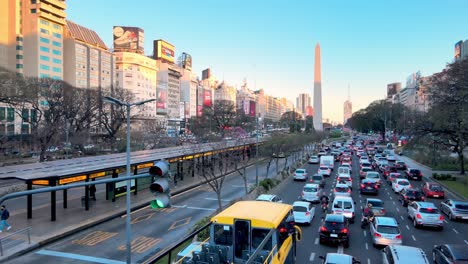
[{"x": 318, "y": 125}]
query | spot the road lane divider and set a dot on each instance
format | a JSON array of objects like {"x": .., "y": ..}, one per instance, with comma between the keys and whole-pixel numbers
[
  {"x": 368, "y": 261},
  {"x": 413, "y": 237},
  {"x": 454, "y": 230},
  {"x": 312, "y": 257},
  {"x": 407, "y": 227},
  {"x": 340, "y": 249},
  {"x": 77, "y": 257},
  {"x": 365, "y": 233},
  {"x": 216, "y": 199},
  {"x": 316, "y": 241},
  {"x": 367, "y": 246}
]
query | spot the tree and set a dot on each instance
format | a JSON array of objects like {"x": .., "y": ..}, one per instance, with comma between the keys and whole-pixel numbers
[
  {"x": 291, "y": 119},
  {"x": 447, "y": 119}
]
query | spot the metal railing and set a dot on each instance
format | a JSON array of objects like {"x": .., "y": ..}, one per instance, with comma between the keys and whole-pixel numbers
[{"x": 12, "y": 240}]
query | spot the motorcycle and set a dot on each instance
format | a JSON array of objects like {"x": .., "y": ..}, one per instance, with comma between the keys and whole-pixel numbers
[
  {"x": 324, "y": 207},
  {"x": 365, "y": 221}
]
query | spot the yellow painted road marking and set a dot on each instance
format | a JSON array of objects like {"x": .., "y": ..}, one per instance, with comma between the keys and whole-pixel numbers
[
  {"x": 142, "y": 218},
  {"x": 141, "y": 244},
  {"x": 94, "y": 238},
  {"x": 180, "y": 223}
]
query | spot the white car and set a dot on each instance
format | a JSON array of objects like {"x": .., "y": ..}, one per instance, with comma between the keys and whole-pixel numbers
[
  {"x": 324, "y": 171},
  {"x": 303, "y": 212},
  {"x": 374, "y": 177},
  {"x": 362, "y": 160},
  {"x": 347, "y": 165},
  {"x": 400, "y": 184},
  {"x": 391, "y": 157},
  {"x": 314, "y": 160},
  {"x": 311, "y": 192},
  {"x": 338, "y": 258},
  {"x": 345, "y": 179},
  {"x": 300, "y": 174},
  {"x": 342, "y": 190},
  {"x": 269, "y": 198}
]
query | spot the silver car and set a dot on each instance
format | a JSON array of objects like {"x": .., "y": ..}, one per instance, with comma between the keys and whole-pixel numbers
[
  {"x": 455, "y": 210},
  {"x": 425, "y": 214},
  {"x": 342, "y": 190},
  {"x": 311, "y": 192},
  {"x": 385, "y": 231},
  {"x": 300, "y": 174}
]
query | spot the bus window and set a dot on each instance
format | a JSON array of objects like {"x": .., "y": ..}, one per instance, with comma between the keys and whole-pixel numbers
[
  {"x": 223, "y": 235},
  {"x": 242, "y": 239},
  {"x": 258, "y": 235}
]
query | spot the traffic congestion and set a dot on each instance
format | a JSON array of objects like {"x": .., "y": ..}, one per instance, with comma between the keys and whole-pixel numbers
[{"x": 358, "y": 202}]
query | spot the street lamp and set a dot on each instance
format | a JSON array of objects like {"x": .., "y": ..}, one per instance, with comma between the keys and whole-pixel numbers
[
  {"x": 128, "y": 230},
  {"x": 256, "y": 151}
]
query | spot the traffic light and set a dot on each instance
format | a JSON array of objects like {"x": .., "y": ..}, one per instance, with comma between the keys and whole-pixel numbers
[{"x": 160, "y": 187}]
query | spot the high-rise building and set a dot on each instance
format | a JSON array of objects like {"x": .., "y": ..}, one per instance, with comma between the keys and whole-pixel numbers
[
  {"x": 169, "y": 75},
  {"x": 88, "y": 63},
  {"x": 461, "y": 50},
  {"x": 225, "y": 92},
  {"x": 302, "y": 102},
  {"x": 31, "y": 37},
  {"x": 318, "y": 124},
  {"x": 188, "y": 92}
]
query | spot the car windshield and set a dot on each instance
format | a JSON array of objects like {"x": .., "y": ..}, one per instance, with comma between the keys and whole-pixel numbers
[
  {"x": 435, "y": 188},
  {"x": 429, "y": 210},
  {"x": 343, "y": 179},
  {"x": 341, "y": 189},
  {"x": 310, "y": 189},
  {"x": 366, "y": 169},
  {"x": 334, "y": 225},
  {"x": 323, "y": 168},
  {"x": 414, "y": 193},
  {"x": 299, "y": 209},
  {"x": 314, "y": 157},
  {"x": 462, "y": 206},
  {"x": 388, "y": 230},
  {"x": 372, "y": 175},
  {"x": 404, "y": 183},
  {"x": 300, "y": 171},
  {"x": 348, "y": 205},
  {"x": 376, "y": 203},
  {"x": 317, "y": 178}
]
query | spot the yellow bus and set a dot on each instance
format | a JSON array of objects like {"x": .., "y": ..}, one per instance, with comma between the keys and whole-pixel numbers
[{"x": 250, "y": 232}]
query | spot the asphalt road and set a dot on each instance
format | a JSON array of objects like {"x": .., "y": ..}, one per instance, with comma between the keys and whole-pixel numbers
[{"x": 153, "y": 230}]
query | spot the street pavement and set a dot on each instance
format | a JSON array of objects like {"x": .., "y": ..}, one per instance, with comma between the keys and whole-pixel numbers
[{"x": 152, "y": 230}]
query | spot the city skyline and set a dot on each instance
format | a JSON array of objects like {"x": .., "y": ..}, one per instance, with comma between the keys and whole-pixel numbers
[{"x": 357, "y": 34}]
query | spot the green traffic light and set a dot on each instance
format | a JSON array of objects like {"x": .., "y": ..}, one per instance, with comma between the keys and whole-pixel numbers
[{"x": 156, "y": 204}]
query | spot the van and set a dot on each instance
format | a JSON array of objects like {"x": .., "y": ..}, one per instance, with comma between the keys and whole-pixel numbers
[
  {"x": 395, "y": 254},
  {"x": 345, "y": 206},
  {"x": 328, "y": 161}
]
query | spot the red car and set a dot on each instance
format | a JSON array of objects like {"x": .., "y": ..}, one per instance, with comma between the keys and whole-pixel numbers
[{"x": 433, "y": 190}]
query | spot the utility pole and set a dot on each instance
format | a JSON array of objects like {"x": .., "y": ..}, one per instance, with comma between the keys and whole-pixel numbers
[{"x": 256, "y": 152}]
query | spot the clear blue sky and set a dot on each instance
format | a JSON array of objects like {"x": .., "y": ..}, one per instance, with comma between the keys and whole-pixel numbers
[{"x": 365, "y": 44}]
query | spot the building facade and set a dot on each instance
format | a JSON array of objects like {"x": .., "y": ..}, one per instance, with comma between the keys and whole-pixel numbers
[
  {"x": 170, "y": 75},
  {"x": 302, "y": 102},
  {"x": 225, "y": 92}
]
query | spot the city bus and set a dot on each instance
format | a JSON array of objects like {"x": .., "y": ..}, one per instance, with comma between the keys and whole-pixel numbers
[{"x": 250, "y": 232}]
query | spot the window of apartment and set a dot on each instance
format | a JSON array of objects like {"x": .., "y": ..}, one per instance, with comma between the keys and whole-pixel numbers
[
  {"x": 44, "y": 22},
  {"x": 56, "y": 43},
  {"x": 56, "y": 26},
  {"x": 56, "y": 61},
  {"x": 33, "y": 10},
  {"x": 33, "y": 115},
  {"x": 19, "y": 38},
  {"x": 55, "y": 69},
  {"x": 25, "y": 115},
  {"x": 2, "y": 113},
  {"x": 10, "y": 115},
  {"x": 57, "y": 52},
  {"x": 19, "y": 56},
  {"x": 44, "y": 49},
  {"x": 10, "y": 129},
  {"x": 19, "y": 47},
  {"x": 44, "y": 76},
  {"x": 33, "y": 2},
  {"x": 2, "y": 130},
  {"x": 25, "y": 129},
  {"x": 45, "y": 31},
  {"x": 44, "y": 67},
  {"x": 57, "y": 35},
  {"x": 55, "y": 77},
  {"x": 44, "y": 58},
  {"x": 44, "y": 40},
  {"x": 19, "y": 66}
]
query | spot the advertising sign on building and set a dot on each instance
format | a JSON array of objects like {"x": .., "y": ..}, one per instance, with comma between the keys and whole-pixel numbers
[
  {"x": 206, "y": 74},
  {"x": 207, "y": 98},
  {"x": 252, "y": 109},
  {"x": 199, "y": 110},
  {"x": 413, "y": 79},
  {"x": 129, "y": 39},
  {"x": 161, "y": 98},
  {"x": 164, "y": 51},
  {"x": 309, "y": 111},
  {"x": 458, "y": 49},
  {"x": 186, "y": 61},
  {"x": 392, "y": 89}
]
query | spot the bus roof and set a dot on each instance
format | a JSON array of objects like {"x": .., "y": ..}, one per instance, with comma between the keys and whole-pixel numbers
[{"x": 261, "y": 214}]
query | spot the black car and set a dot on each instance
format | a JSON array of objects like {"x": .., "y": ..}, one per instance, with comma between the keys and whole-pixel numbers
[
  {"x": 450, "y": 253},
  {"x": 413, "y": 174},
  {"x": 335, "y": 229},
  {"x": 400, "y": 165},
  {"x": 408, "y": 195},
  {"x": 369, "y": 187}
]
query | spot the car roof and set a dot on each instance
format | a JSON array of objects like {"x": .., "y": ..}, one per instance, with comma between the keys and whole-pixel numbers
[
  {"x": 374, "y": 199},
  {"x": 311, "y": 185},
  {"x": 343, "y": 198},
  {"x": 459, "y": 251},
  {"x": 409, "y": 254},
  {"x": 301, "y": 169},
  {"x": 342, "y": 185},
  {"x": 387, "y": 221},
  {"x": 402, "y": 180},
  {"x": 338, "y": 258},
  {"x": 265, "y": 197},
  {"x": 368, "y": 180},
  {"x": 427, "y": 205},
  {"x": 301, "y": 203},
  {"x": 334, "y": 218}
]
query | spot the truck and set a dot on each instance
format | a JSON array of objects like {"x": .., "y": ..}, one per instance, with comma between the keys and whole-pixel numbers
[{"x": 327, "y": 161}]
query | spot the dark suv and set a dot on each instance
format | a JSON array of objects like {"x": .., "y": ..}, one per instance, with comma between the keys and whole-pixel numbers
[
  {"x": 335, "y": 229},
  {"x": 413, "y": 174},
  {"x": 409, "y": 195}
]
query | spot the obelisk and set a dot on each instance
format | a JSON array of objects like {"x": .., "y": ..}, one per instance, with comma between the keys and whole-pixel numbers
[{"x": 318, "y": 125}]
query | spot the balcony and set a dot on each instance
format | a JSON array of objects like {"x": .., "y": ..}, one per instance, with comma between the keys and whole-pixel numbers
[
  {"x": 53, "y": 18},
  {"x": 52, "y": 10},
  {"x": 57, "y": 3}
]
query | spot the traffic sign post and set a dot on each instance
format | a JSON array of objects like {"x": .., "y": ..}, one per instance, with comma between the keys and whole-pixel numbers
[{"x": 160, "y": 187}]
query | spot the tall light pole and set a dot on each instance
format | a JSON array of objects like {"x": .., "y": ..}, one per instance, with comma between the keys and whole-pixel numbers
[
  {"x": 256, "y": 151},
  {"x": 128, "y": 231}
]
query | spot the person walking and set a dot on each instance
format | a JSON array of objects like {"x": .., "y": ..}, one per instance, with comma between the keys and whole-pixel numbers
[
  {"x": 92, "y": 192},
  {"x": 5, "y": 214}
]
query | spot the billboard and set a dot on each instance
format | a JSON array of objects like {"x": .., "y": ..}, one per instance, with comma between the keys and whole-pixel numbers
[
  {"x": 392, "y": 89},
  {"x": 161, "y": 98},
  {"x": 206, "y": 74},
  {"x": 252, "y": 108},
  {"x": 309, "y": 111},
  {"x": 129, "y": 39},
  {"x": 199, "y": 110},
  {"x": 164, "y": 51},
  {"x": 207, "y": 98},
  {"x": 186, "y": 61},
  {"x": 184, "y": 110},
  {"x": 458, "y": 49}
]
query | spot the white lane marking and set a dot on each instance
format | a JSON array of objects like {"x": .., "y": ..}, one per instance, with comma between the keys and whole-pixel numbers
[
  {"x": 367, "y": 246},
  {"x": 316, "y": 241},
  {"x": 216, "y": 199},
  {"x": 413, "y": 237},
  {"x": 402, "y": 218},
  {"x": 361, "y": 207},
  {"x": 180, "y": 206},
  {"x": 340, "y": 249},
  {"x": 368, "y": 261},
  {"x": 312, "y": 256},
  {"x": 445, "y": 221},
  {"x": 390, "y": 197},
  {"x": 398, "y": 209},
  {"x": 365, "y": 233},
  {"x": 407, "y": 227},
  {"x": 200, "y": 208},
  {"x": 454, "y": 230},
  {"x": 393, "y": 202},
  {"x": 77, "y": 257},
  {"x": 466, "y": 242}
]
